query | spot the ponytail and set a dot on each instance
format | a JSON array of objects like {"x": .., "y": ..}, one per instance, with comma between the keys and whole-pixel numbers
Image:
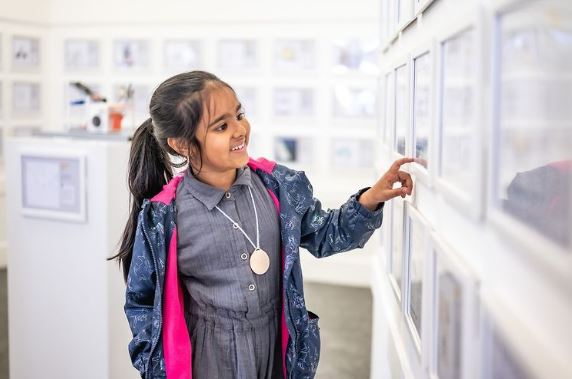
[{"x": 149, "y": 169}]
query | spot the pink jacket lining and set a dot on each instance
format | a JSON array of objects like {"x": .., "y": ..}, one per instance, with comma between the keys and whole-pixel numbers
[{"x": 177, "y": 348}]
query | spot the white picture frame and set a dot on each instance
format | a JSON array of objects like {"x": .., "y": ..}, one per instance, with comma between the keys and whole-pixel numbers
[
  {"x": 396, "y": 254},
  {"x": 354, "y": 102},
  {"x": 388, "y": 117},
  {"x": 355, "y": 56},
  {"x": 181, "y": 55},
  {"x": 533, "y": 126},
  {"x": 417, "y": 280},
  {"x": 75, "y": 101},
  {"x": 26, "y": 99},
  {"x": 454, "y": 313},
  {"x": 53, "y": 185},
  {"x": 81, "y": 54},
  {"x": 238, "y": 55},
  {"x": 352, "y": 154},
  {"x": 422, "y": 112},
  {"x": 404, "y": 13},
  {"x": 402, "y": 112},
  {"x": 295, "y": 55},
  {"x": 26, "y": 53},
  {"x": 460, "y": 114},
  {"x": 131, "y": 54},
  {"x": 293, "y": 150},
  {"x": 294, "y": 102}
]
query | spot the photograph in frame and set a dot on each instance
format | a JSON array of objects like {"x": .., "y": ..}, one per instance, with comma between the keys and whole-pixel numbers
[
  {"x": 81, "y": 54},
  {"x": 352, "y": 153},
  {"x": 294, "y": 55},
  {"x": 131, "y": 54},
  {"x": 75, "y": 100},
  {"x": 293, "y": 102},
  {"x": 25, "y": 53},
  {"x": 26, "y": 98},
  {"x": 422, "y": 89},
  {"x": 397, "y": 251},
  {"x": 356, "y": 56},
  {"x": 293, "y": 149},
  {"x": 401, "y": 108},
  {"x": 389, "y": 107},
  {"x": 458, "y": 110},
  {"x": 416, "y": 253},
  {"x": 533, "y": 159},
  {"x": 354, "y": 102},
  {"x": 237, "y": 54},
  {"x": 181, "y": 55}
]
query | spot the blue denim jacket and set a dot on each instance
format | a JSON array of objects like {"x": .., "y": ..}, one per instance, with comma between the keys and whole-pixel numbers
[{"x": 303, "y": 223}]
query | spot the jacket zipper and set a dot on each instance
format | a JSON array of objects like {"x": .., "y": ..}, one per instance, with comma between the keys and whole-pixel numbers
[{"x": 156, "y": 340}]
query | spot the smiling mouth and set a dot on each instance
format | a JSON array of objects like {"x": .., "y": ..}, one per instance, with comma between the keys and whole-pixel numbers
[{"x": 240, "y": 147}]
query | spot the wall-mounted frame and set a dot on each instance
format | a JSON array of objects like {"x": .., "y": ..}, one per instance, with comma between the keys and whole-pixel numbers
[
  {"x": 294, "y": 55},
  {"x": 131, "y": 54},
  {"x": 356, "y": 56},
  {"x": 530, "y": 161},
  {"x": 388, "y": 118},
  {"x": 401, "y": 129},
  {"x": 418, "y": 288},
  {"x": 460, "y": 116},
  {"x": 455, "y": 314},
  {"x": 53, "y": 185},
  {"x": 421, "y": 5},
  {"x": 75, "y": 100},
  {"x": 422, "y": 111},
  {"x": 293, "y": 150},
  {"x": 500, "y": 357},
  {"x": 237, "y": 54},
  {"x": 26, "y": 99},
  {"x": 397, "y": 247},
  {"x": 26, "y": 53},
  {"x": 404, "y": 13},
  {"x": 248, "y": 97},
  {"x": 81, "y": 55},
  {"x": 352, "y": 154},
  {"x": 354, "y": 102},
  {"x": 294, "y": 102},
  {"x": 181, "y": 55},
  {"x": 136, "y": 98}
]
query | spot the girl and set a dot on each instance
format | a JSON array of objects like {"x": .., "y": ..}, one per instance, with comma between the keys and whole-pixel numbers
[{"x": 211, "y": 256}]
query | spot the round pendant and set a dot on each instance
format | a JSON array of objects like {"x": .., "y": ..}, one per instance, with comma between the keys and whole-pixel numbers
[{"x": 259, "y": 261}]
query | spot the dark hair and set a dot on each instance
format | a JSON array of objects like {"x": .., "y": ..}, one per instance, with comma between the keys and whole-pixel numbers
[{"x": 176, "y": 108}]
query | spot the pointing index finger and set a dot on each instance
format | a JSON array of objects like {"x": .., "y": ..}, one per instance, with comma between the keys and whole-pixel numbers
[{"x": 398, "y": 163}]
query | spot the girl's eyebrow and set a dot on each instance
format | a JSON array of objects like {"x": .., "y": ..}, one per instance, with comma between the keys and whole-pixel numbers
[{"x": 223, "y": 116}]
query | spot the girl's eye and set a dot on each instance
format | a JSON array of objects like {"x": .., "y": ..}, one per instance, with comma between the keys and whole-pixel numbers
[
  {"x": 240, "y": 116},
  {"x": 221, "y": 128}
]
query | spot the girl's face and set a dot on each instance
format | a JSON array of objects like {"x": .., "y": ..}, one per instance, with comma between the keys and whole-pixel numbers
[{"x": 223, "y": 134}]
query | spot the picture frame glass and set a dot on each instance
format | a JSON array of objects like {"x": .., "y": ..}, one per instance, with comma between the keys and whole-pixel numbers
[
  {"x": 182, "y": 55},
  {"x": 293, "y": 102},
  {"x": 293, "y": 149},
  {"x": 533, "y": 176},
  {"x": 356, "y": 55},
  {"x": 458, "y": 110},
  {"x": 131, "y": 54},
  {"x": 422, "y": 89},
  {"x": 237, "y": 54},
  {"x": 416, "y": 245},
  {"x": 401, "y": 108},
  {"x": 25, "y": 53},
  {"x": 354, "y": 102},
  {"x": 294, "y": 55},
  {"x": 26, "y": 98},
  {"x": 352, "y": 153},
  {"x": 397, "y": 243},
  {"x": 81, "y": 54}
]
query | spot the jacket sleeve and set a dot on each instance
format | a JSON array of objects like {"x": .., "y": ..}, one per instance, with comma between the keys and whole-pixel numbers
[
  {"x": 326, "y": 232},
  {"x": 139, "y": 299}
]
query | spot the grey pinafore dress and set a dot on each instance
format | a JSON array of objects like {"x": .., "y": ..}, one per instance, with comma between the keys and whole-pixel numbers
[{"x": 233, "y": 314}]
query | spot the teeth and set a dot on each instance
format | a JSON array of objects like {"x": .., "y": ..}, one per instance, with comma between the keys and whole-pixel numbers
[{"x": 238, "y": 147}]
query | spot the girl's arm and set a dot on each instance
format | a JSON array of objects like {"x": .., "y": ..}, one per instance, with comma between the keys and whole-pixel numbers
[
  {"x": 324, "y": 233},
  {"x": 139, "y": 300}
]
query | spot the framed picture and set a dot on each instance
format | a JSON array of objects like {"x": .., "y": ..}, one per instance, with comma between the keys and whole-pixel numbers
[
  {"x": 237, "y": 54},
  {"x": 417, "y": 256},
  {"x": 404, "y": 13},
  {"x": 389, "y": 108},
  {"x": 81, "y": 54},
  {"x": 352, "y": 153},
  {"x": 356, "y": 56},
  {"x": 421, "y": 5},
  {"x": 248, "y": 97},
  {"x": 422, "y": 114},
  {"x": 136, "y": 98},
  {"x": 180, "y": 55},
  {"x": 354, "y": 102},
  {"x": 26, "y": 99},
  {"x": 293, "y": 102},
  {"x": 293, "y": 149},
  {"x": 460, "y": 116},
  {"x": 454, "y": 313},
  {"x": 131, "y": 54},
  {"x": 531, "y": 160},
  {"x": 294, "y": 55},
  {"x": 75, "y": 100},
  {"x": 401, "y": 127},
  {"x": 25, "y": 53},
  {"x": 396, "y": 254},
  {"x": 53, "y": 185},
  {"x": 499, "y": 356}
]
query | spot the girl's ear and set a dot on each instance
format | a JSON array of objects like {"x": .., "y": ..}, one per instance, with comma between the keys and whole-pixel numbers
[{"x": 179, "y": 146}]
